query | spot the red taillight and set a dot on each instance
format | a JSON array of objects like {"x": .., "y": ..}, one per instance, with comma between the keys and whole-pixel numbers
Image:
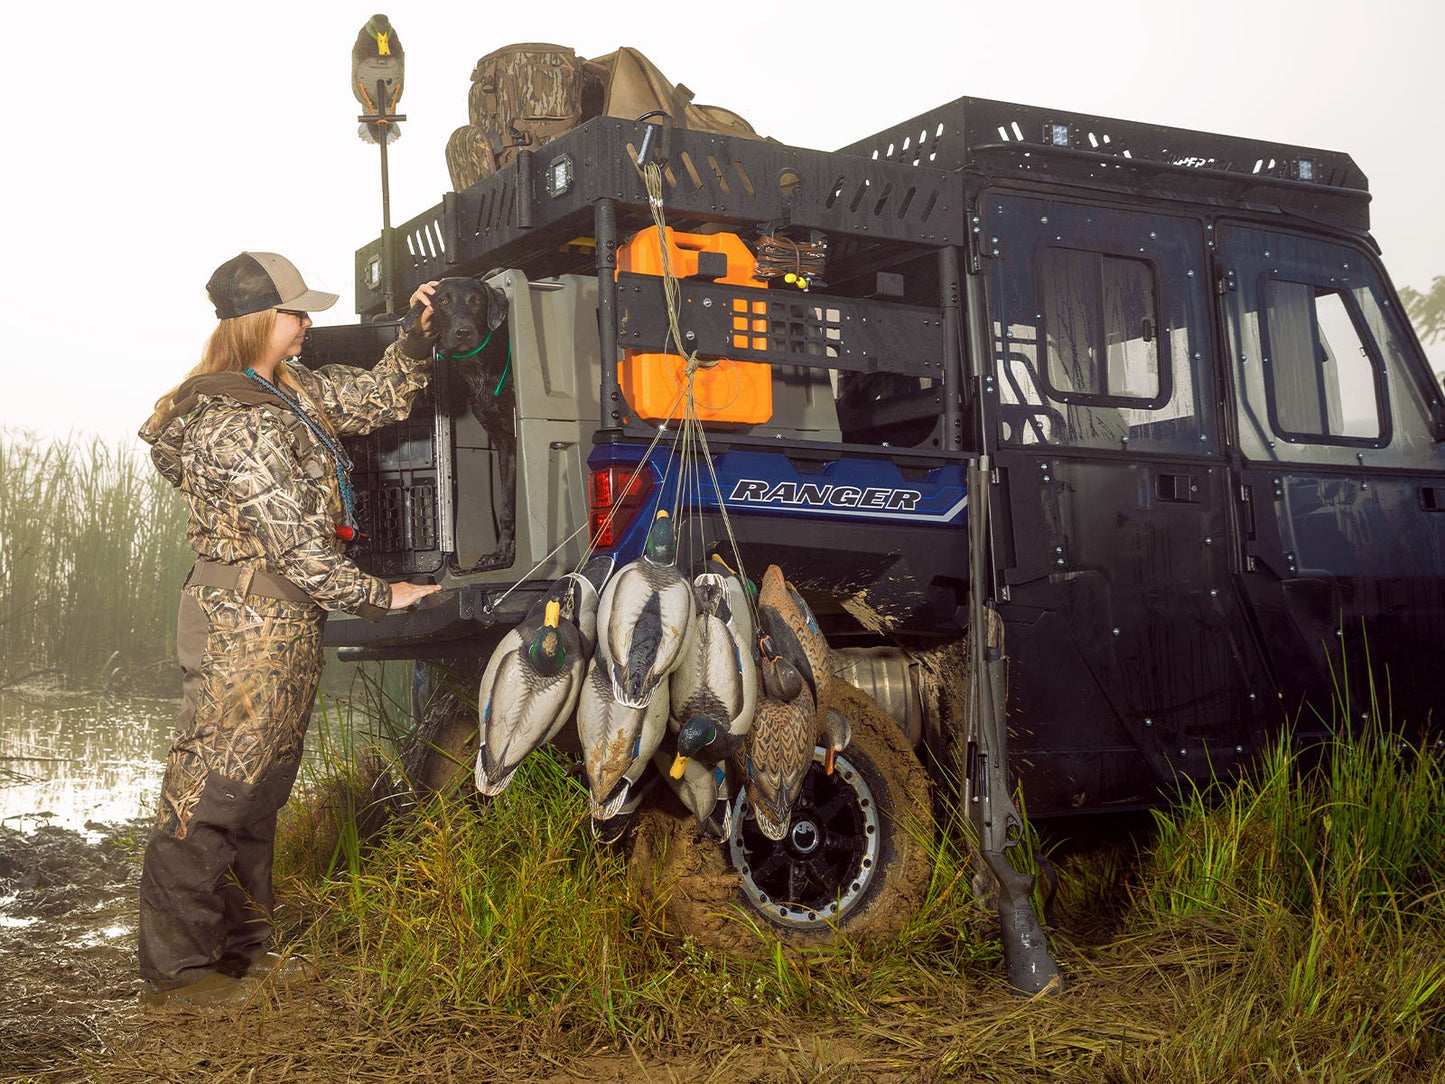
[{"x": 616, "y": 497}]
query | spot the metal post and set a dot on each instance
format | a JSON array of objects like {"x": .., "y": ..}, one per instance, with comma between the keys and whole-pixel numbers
[
  {"x": 605, "y": 233},
  {"x": 949, "y": 287},
  {"x": 388, "y": 262}
]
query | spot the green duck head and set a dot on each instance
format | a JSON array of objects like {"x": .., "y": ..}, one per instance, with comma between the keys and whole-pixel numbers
[
  {"x": 547, "y": 654},
  {"x": 378, "y": 28},
  {"x": 661, "y": 547}
]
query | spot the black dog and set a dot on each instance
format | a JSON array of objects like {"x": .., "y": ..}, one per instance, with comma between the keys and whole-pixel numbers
[{"x": 465, "y": 313}]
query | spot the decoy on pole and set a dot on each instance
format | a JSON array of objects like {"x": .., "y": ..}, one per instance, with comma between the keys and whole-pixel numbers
[{"x": 377, "y": 69}]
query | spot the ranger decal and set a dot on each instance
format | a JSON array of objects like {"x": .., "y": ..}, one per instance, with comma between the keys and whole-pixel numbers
[{"x": 811, "y": 495}]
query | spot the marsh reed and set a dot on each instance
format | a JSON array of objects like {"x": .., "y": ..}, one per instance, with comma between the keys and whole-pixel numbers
[{"x": 92, "y": 554}]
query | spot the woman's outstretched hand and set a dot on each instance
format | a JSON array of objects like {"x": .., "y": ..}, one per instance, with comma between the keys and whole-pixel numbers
[{"x": 404, "y": 594}]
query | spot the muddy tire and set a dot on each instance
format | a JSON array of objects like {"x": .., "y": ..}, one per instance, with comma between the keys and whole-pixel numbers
[
  {"x": 856, "y": 861},
  {"x": 442, "y": 751}
]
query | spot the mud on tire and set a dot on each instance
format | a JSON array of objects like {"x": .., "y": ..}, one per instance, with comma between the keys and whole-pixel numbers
[{"x": 860, "y": 844}]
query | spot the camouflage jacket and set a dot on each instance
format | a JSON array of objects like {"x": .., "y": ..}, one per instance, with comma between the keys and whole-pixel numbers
[{"x": 262, "y": 488}]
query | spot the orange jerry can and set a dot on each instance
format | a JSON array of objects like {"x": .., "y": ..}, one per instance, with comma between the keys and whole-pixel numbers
[{"x": 736, "y": 392}]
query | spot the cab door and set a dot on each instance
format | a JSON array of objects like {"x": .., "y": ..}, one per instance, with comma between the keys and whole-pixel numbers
[
  {"x": 1131, "y": 661},
  {"x": 1340, "y": 470}
]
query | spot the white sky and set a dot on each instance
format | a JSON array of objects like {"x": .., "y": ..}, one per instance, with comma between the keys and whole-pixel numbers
[{"x": 149, "y": 142}]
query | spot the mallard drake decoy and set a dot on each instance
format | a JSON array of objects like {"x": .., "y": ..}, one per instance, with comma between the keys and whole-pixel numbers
[
  {"x": 526, "y": 694},
  {"x": 617, "y": 740},
  {"x": 702, "y": 788},
  {"x": 377, "y": 57},
  {"x": 717, "y": 672},
  {"x": 779, "y": 750},
  {"x": 643, "y": 618},
  {"x": 789, "y": 621}
]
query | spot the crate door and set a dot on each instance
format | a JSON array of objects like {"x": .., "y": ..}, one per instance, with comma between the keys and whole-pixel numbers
[{"x": 397, "y": 473}]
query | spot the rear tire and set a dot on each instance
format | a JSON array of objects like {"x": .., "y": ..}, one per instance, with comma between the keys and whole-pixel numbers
[
  {"x": 442, "y": 752},
  {"x": 856, "y": 861}
]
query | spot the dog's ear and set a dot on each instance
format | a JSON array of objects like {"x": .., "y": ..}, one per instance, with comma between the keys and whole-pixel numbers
[
  {"x": 409, "y": 320},
  {"x": 496, "y": 307}
]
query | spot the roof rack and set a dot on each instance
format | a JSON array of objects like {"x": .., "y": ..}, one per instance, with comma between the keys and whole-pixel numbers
[{"x": 943, "y": 138}]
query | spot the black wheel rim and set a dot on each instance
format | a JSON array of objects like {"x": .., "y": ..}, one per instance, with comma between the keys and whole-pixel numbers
[{"x": 827, "y": 859}]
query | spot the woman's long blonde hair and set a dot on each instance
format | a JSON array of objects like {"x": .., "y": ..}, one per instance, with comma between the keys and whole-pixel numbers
[{"x": 233, "y": 348}]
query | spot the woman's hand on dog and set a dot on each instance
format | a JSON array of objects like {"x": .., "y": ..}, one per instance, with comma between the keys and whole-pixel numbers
[
  {"x": 422, "y": 297},
  {"x": 405, "y": 594}
]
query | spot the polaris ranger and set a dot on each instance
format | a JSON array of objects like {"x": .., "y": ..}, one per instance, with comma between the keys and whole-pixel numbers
[{"x": 1133, "y": 410}]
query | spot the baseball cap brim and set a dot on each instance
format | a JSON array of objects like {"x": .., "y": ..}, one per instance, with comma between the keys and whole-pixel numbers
[{"x": 309, "y": 301}]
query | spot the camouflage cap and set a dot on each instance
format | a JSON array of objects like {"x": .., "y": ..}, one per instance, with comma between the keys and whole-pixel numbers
[{"x": 256, "y": 281}]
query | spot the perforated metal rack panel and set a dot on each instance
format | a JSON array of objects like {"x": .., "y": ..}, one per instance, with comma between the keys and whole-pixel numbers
[
  {"x": 943, "y": 138},
  {"x": 394, "y": 470},
  {"x": 531, "y": 213}
]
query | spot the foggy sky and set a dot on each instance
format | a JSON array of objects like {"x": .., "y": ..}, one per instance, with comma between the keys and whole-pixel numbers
[{"x": 150, "y": 142}]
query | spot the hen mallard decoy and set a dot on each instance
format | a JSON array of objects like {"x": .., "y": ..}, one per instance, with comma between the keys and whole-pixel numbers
[
  {"x": 643, "y": 618},
  {"x": 535, "y": 675},
  {"x": 618, "y": 741},
  {"x": 377, "y": 57},
  {"x": 779, "y": 747},
  {"x": 789, "y": 621}
]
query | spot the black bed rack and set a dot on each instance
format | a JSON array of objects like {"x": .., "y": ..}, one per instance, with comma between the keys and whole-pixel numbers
[{"x": 878, "y": 199}]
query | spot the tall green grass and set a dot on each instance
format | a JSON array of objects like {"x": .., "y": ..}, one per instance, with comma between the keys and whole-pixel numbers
[
  {"x": 1289, "y": 925},
  {"x": 92, "y": 554},
  {"x": 1320, "y": 878}
]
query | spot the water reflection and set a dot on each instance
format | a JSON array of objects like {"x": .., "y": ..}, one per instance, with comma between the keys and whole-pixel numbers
[{"x": 70, "y": 759}]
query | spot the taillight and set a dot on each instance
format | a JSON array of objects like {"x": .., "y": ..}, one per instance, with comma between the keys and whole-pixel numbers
[{"x": 616, "y": 496}]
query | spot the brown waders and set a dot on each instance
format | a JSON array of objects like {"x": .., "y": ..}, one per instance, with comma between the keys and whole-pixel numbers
[{"x": 250, "y": 664}]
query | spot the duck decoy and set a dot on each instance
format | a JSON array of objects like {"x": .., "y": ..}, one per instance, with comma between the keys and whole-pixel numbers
[
  {"x": 779, "y": 749},
  {"x": 534, "y": 676},
  {"x": 527, "y": 692},
  {"x": 618, "y": 740},
  {"x": 643, "y": 618},
  {"x": 790, "y": 622},
  {"x": 378, "y": 66},
  {"x": 703, "y": 788},
  {"x": 717, "y": 672}
]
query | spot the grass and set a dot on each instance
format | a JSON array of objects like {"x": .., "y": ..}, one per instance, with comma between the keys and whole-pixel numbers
[
  {"x": 92, "y": 556},
  {"x": 1287, "y": 926}
]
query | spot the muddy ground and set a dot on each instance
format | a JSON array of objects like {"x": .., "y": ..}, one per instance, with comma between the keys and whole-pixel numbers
[
  {"x": 67, "y": 938},
  {"x": 69, "y": 1009}
]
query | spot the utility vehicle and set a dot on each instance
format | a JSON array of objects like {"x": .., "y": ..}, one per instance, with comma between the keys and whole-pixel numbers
[{"x": 1134, "y": 410}]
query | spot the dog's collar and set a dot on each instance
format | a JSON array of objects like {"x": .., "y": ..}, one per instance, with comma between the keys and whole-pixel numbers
[
  {"x": 472, "y": 354},
  {"x": 507, "y": 368}
]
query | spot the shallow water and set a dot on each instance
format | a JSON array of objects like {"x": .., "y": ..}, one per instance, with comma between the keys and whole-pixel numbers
[
  {"x": 79, "y": 759},
  {"x": 71, "y": 759}
]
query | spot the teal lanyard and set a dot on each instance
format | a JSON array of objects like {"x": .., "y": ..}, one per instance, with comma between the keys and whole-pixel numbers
[{"x": 338, "y": 453}]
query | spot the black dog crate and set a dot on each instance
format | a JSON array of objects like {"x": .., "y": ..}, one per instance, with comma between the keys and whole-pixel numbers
[{"x": 395, "y": 474}]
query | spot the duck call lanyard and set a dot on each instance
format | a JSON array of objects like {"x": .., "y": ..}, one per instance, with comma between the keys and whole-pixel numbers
[{"x": 338, "y": 453}]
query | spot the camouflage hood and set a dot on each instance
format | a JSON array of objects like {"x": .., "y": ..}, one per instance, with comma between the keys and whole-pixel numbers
[{"x": 165, "y": 437}]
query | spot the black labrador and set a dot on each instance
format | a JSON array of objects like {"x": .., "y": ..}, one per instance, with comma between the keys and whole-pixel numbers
[{"x": 465, "y": 314}]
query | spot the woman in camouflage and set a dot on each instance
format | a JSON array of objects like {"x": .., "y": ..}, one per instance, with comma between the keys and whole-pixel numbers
[{"x": 250, "y": 440}]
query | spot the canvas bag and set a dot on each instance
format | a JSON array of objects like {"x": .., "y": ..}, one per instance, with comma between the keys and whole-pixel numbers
[{"x": 525, "y": 95}]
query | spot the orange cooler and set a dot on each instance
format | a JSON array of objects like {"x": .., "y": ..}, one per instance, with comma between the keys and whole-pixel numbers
[{"x": 737, "y": 392}]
